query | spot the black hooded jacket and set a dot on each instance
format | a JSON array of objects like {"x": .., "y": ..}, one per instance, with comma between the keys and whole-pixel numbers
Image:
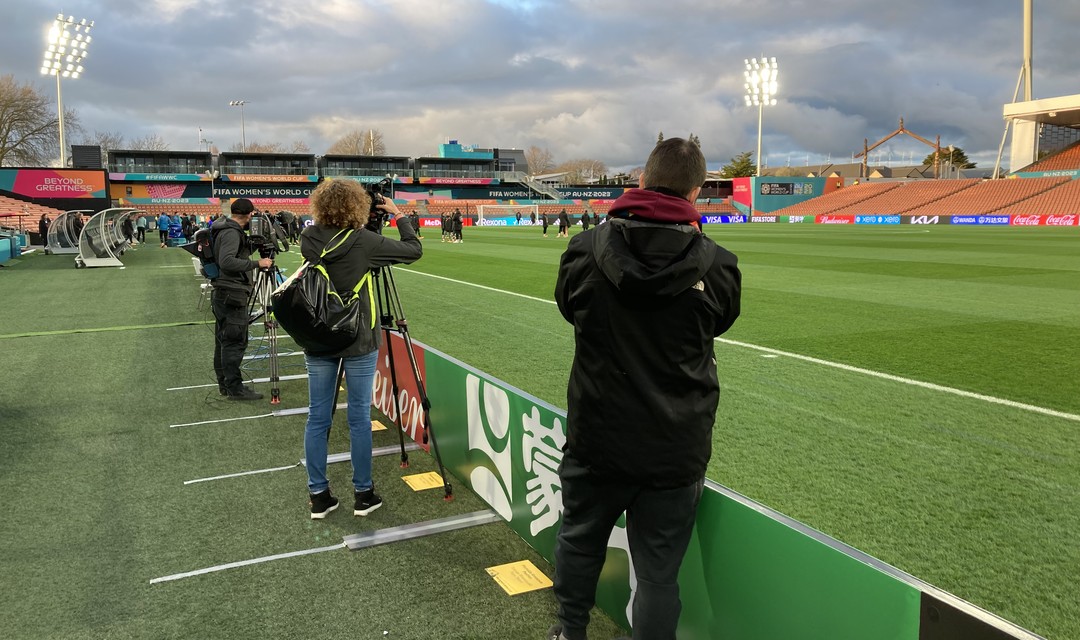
[{"x": 646, "y": 300}]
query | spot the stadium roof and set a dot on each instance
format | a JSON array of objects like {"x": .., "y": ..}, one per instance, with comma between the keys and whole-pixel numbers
[{"x": 1063, "y": 111}]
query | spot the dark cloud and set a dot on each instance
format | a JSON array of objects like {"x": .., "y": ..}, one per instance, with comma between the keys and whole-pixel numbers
[{"x": 585, "y": 78}]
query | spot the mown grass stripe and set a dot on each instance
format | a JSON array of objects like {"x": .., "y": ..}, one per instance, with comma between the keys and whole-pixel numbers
[
  {"x": 837, "y": 365},
  {"x": 138, "y": 327}
]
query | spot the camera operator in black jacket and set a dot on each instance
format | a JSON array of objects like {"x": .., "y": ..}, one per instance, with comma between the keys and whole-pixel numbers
[
  {"x": 229, "y": 300},
  {"x": 646, "y": 293},
  {"x": 339, "y": 205}
]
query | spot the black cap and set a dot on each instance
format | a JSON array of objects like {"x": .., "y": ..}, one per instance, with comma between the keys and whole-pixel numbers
[{"x": 241, "y": 207}]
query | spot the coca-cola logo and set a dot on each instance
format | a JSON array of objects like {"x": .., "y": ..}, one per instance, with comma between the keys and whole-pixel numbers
[
  {"x": 1062, "y": 221},
  {"x": 1026, "y": 221}
]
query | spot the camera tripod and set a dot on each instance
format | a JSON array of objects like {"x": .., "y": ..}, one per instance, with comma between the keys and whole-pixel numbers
[
  {"x": 392, "y": 320},
  {"x": 265, "y": 282}
]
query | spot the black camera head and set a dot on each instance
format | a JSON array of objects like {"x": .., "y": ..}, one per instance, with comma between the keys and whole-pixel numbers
[{"x": 377, "y": 218}]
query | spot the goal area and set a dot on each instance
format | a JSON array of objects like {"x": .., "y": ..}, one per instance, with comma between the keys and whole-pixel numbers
[{"x": 489, "y": 213}]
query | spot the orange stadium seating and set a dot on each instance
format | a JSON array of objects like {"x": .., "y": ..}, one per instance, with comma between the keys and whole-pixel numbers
[
  {"x": 988, "y": 196},
  {"x": 1064, "y": 199},
  {"x": 13, "y": 207},
  {"x": 717, "y": 207},
  {"x": 838, "y": 199},
  {"x": 908, "y": 196},
  {"x": 1064, "y": 160}
]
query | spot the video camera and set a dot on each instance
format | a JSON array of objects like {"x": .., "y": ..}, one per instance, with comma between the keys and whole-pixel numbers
[
  {"x": 266, "y": 236},
  {"x": 377, "y": 218}
]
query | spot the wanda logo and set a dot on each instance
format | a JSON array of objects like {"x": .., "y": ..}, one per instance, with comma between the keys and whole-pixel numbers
[
  {"x": 1026, "y": 221},
  {"x": 1062, "y": 221}
]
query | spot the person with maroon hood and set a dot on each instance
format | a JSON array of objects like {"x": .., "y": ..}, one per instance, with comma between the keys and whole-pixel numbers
[{"x": 646, "y": 294}]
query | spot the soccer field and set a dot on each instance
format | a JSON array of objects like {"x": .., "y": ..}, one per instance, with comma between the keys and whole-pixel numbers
[{"x": 914, "y": 392}]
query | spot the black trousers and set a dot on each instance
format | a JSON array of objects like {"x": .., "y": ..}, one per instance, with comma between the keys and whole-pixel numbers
[
  {"x": 659, "y": 523},
  {"x": 230, "y": 337}
]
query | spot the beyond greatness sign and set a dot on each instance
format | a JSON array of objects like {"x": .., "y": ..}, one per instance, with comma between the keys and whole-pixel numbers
[{"x": 53, "y": 183}]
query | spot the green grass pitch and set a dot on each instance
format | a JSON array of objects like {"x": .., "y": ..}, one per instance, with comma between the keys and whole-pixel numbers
[{"x": 947, "y": 444}]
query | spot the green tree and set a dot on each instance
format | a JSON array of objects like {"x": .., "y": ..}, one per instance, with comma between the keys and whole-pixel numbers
[
  {"x": 741, "y": 166},
  {"x": 660, "y": 138},
  {"x": 696, "y": 140},
  {"x": 957, "y": 159}
]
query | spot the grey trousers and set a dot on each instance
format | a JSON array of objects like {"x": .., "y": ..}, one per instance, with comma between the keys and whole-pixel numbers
[{"x": 659, "y": 523}]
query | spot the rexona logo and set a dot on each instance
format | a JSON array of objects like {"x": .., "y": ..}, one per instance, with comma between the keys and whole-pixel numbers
[
  {"x": 1026, "y": 221},
  {"x": 836, "y": 219},
  {"x": 762, "y": 218},
  {"x": 492, "y": 223},
  {"x": 1062, "y": 221},
  {"x": 923, "y": 219}
]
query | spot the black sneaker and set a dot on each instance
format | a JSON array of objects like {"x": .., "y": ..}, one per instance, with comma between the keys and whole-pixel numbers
[
  {"x": 322, "y": 504},
  {"x": 366, "y": 502},
  {"x": 245, "y": 393}
]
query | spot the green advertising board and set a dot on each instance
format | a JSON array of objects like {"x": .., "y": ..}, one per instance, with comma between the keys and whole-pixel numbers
[{"x": 750, "y": 573}]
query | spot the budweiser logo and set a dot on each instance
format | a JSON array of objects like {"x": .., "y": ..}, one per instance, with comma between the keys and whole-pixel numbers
[
  {"x": 834, "y": 220},
  {"x": 1027, "y": 221},
  {"x": 1062, "y": 221}
]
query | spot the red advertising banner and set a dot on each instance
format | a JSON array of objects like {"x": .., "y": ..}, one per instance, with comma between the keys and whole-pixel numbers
[
  {"x": 742, "y": 193},
  {"x": 263, "y": 177},
  {"x": 458, "y": 181},
  {"x": 408, "y": 395},
  {"x": 54, "y": 183},
  {"x": 826, "y": 219},
  {"x": 1067, "y": 220}
]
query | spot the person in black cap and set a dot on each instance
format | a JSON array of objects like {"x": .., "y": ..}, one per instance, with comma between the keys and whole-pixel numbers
[
  {"x": 232, "y": 289},
  {"x": 643, "y": 392}
]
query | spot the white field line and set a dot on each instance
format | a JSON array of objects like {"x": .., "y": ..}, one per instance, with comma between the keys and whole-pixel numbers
[
  {"x": 827, "y": 363},
  {"x": 242, "y": 473},
  {"x": 244, "y": 563},
  {"x": 298, "y": 376}
]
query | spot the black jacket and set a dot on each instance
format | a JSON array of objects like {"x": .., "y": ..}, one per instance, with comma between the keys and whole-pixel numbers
[
  {"x": 646, "y": 300},
  {"x": 362, "y": 252},
  {"x": 232, "y": 253}
]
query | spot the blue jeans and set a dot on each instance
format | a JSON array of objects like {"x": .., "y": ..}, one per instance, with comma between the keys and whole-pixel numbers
[{"x": 322, "y": 382}]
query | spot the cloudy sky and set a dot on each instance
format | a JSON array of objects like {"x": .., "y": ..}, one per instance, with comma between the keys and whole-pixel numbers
[{"x": 584, "y": 78}]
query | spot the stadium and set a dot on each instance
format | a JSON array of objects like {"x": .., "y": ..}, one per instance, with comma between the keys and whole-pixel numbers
[{"x": 896, "y": 455}]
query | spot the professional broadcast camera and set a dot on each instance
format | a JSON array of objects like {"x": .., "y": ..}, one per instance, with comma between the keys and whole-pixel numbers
[
  {"x": 378, "y": 218},
  {"x": 266, "y": 235}
]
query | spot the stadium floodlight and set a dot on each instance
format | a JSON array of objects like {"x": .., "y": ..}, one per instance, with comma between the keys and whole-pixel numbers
[
  {"x": 243, "y": 132},
  {"x": 65, "y": 48},
  {"x": 760, "y": 91}
]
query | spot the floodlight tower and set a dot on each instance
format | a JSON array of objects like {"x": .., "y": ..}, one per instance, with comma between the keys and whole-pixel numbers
[
  {"x": 760, "y": 91},
  {"x": 243, "y": 133},
  {"x": 65, "y": 48}
]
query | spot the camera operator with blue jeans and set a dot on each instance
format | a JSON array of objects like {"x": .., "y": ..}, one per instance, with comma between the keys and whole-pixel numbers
[
  {"x": 229, "y": 300},
  {"x": 338, "y": 205}
]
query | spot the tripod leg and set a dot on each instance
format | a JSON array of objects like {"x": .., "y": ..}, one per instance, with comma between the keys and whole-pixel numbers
[
  {"x": 394, "y": 303},
  {"x": 271, "y": 335},
  {"x": 337, "y": 394},
  {"x": 399, "y": 420}
]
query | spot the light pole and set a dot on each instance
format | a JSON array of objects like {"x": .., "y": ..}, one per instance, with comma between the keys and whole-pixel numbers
[
  {"x": 243, "y": 132},
  {"x": 760, "y": 91},
  {"x": 65, "y": 48}
]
